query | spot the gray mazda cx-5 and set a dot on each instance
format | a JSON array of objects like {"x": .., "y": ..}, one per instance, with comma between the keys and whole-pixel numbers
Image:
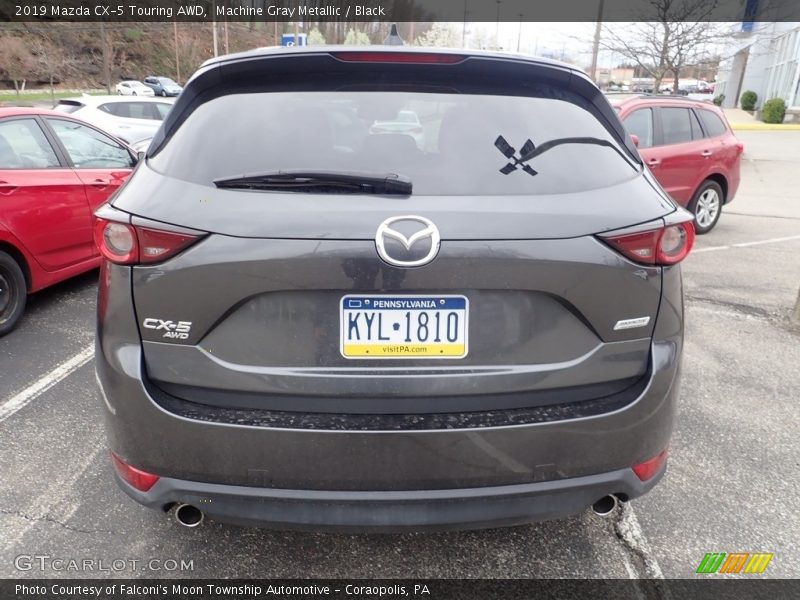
[{"x": 307, "y": 319}]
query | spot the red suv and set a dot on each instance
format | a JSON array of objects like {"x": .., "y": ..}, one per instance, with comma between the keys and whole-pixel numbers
[
  {"x": 690, "y": 149},
  {"x": 54, "y": 172}
]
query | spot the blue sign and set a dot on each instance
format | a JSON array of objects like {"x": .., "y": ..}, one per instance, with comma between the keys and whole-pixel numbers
[
  {"x": 750, "y": 15},
  {"x": 287, "y": 39}
]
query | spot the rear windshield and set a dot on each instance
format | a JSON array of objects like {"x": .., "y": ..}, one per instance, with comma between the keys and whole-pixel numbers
[
  {"x": 68, "y": 106},
  {"x": 446, "y": 144}
]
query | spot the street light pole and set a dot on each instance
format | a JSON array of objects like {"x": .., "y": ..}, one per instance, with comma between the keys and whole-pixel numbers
[
  {"x": 464, "y": 28},
  {"x": 497, "y": 27},
  {"x": 177, "y": 58},
  {"x": 214, "y": 29},
  {"x": 596, "y": 43},
  {"x": 106, "y": 57},
  {"x": 519, "y": 32}
]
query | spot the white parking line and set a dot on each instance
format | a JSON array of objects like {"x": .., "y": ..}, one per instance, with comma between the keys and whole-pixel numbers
[
  {"x": 746, "y": 244},
  {"x": 59, "y": 494},
  {"x": 43, "y": 384}
]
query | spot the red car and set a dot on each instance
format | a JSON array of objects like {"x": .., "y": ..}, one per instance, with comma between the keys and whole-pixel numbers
[
  {"x": 690, "y": 149},
  {"x": 54, "y": 172}
]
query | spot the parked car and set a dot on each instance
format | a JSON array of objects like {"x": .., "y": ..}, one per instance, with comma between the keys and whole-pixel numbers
[
  {"x": 301, "y": 329},
  {"x": 162, "y": 86},
  {"x": 691, "y": 150},
  {"x": 405, "y": 122},
  {"x": 54, "y": 172},
  {"x": 131, "y": 120},
  {"x": 133, "y": 88}
]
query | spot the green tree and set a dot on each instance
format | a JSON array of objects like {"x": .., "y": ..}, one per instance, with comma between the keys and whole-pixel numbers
[
  {"x": 356, "y": 38},
  {"x": 441, "y": 35},
  {"x": 315, "y": 38}
]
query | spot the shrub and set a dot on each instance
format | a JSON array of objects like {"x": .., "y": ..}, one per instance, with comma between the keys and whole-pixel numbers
[
  {"x": 748, "y": 100},
  {"x": 315, "y": 38},
  {"x": 719, "y": 99},
  {"x": 356, "y": 38},
  {"x": 773, "y": 111}
]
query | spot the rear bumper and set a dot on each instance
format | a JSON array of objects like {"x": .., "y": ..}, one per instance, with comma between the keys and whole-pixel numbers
[
  {"x": 377, "y": 478},
  {"x": 467, "y": 508}
]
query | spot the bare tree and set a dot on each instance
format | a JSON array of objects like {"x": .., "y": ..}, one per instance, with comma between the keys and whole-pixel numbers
[
  {"x": 16, "y": 60},
  {"x": 679, "y": 34},
  {"x": 53, "y": 58}
]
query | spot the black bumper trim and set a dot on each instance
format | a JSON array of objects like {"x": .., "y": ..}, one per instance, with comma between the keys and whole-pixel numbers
[
  {"x": 386, "y": 511},
  {"x": 402, "y": 422}
]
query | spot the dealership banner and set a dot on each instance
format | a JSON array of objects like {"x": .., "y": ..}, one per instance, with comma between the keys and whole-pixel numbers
[
  {"x": 396, "y": 589},
  {"x": 398, "y": 10}
]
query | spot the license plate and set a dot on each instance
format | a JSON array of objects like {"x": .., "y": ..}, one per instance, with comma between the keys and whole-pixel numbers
[{"x": 404, "y": 326}]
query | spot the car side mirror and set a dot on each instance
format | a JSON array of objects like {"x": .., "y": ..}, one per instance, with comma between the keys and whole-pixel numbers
[{"x": 635, "y": 139}]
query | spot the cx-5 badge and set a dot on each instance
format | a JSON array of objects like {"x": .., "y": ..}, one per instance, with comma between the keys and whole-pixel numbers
[{"x": 385, "y": 231}]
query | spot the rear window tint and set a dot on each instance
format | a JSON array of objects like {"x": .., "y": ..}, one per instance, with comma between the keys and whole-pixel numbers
[
  {"x": 134, "y": 110},
  {"x": 697, "y": 132},
  {"x": 447, "y": 144},
  {"x": 676, "y": 125},
  {"x": 68, "y": 106},
  {"x": 640, "y": 124},
  {"x": 712, "y": 123}
]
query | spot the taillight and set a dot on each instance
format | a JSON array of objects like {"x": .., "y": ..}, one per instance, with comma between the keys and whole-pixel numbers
[
  {"x": 666, "y": 246},
  {"x": 156, "y": 245},
  {"x": 116, "y": 241},
  {"x": 126, "y": 244},
  {"x": 400, "y": 57},
  {"x": 141, "y": 480},
  {"x": 647, "y": 469}
]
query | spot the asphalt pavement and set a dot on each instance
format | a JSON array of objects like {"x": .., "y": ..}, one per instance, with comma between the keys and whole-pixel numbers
[{"x": 732, "y": 483}]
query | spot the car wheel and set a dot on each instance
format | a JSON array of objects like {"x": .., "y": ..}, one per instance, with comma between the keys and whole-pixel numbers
[
  {"x": 13, "y": 293},
  {"x": 119, "y": 93},
  {"x": 706, "y": 206},
  {"x": 134, "y": 93},
  {"x": 164, "y": 93}
]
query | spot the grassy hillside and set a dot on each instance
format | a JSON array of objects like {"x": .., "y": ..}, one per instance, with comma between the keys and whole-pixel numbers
[{"x": 90, "y": 55}]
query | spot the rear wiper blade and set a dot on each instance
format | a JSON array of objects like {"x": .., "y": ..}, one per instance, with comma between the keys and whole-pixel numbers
[{"x": 321, "y": 182}]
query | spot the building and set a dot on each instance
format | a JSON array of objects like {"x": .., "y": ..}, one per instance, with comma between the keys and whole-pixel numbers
[{"x": 764, "y": 58}]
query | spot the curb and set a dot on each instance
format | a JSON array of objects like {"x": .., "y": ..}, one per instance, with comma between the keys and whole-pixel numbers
[{"x": 765, "y": 126}]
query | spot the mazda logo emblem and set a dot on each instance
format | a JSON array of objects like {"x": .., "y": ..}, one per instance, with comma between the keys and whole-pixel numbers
[{"x": 385, "y": 231}]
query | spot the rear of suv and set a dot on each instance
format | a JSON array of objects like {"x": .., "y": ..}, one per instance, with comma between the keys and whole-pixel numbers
[
  {"x": 691, "y": 150},
  {"x": 304, "y": 323}
]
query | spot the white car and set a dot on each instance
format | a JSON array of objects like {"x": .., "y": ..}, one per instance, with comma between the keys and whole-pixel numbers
[
  {"x": 134, "y": 88},
  {"x": 406, "y": 123},
  {"x": 130, "y": 119}
]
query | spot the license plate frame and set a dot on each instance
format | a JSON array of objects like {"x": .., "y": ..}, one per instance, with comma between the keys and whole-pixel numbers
[{"x": 395, "y": 307}]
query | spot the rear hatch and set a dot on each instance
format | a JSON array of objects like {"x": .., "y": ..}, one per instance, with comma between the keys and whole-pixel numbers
[{"x": 296, "y": 300}]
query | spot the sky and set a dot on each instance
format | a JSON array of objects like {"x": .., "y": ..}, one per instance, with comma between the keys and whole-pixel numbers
[{"x": 572, "y": 40}]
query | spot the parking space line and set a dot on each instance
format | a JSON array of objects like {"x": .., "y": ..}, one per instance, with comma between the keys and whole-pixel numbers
[
  {"x": 54, "y": 496},
  {"x": 747, "y": 244},
  {"x": 43, "y": 384}
]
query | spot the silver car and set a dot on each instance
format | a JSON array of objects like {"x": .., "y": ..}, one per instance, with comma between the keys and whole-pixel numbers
[{"x": 303, "y": 323}]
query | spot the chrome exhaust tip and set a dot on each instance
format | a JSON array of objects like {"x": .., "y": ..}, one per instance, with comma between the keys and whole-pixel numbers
[
  {"x": 188, "y": 515},
  {"x": 605, "y": 506}
]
